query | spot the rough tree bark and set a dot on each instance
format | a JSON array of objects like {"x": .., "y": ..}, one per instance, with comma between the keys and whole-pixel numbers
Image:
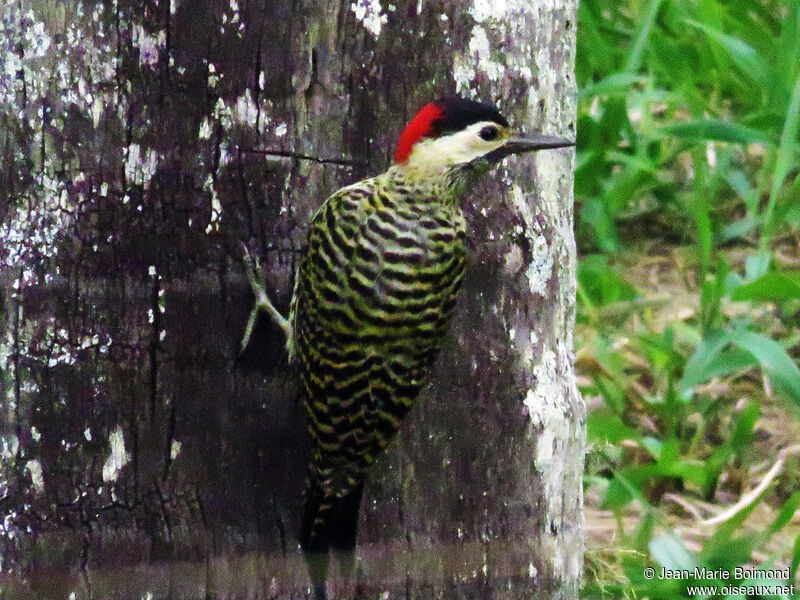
[{"x": 140, "y": 142}]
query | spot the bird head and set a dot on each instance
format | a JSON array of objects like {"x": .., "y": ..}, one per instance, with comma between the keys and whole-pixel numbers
[{"x": 456, "y": 134}]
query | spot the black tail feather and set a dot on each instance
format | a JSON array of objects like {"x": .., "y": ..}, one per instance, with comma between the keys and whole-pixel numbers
[{"x": 329, "y": 523}]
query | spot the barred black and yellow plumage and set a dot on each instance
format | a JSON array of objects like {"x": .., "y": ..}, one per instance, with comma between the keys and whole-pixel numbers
[{"x": 374, "y": 293}]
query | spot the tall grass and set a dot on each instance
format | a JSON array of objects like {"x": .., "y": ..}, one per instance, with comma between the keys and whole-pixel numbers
[{"x": 688, "y": 131}]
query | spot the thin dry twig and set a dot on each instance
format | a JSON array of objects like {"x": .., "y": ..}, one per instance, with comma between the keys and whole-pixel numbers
[
  {"x": 685, "y": 505},
  {"x": 751, "y": 496},
  {"x": 300, "y": 156}
]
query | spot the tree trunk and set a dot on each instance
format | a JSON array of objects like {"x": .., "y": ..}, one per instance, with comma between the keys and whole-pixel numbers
[{"x": 140, "y": 143}]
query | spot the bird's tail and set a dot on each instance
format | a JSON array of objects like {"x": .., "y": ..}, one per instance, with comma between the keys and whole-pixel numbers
[{"x": 329, "y": 523}]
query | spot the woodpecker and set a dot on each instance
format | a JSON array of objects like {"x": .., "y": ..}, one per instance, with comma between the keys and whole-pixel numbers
[{"x": 374, "y": 292}]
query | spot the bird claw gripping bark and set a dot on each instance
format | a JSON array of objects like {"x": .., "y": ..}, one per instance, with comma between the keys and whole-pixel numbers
[{"x": 262, "y": 301}]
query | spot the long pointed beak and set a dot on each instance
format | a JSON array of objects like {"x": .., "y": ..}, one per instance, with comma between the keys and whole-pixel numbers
[{"x": 519, "y": 145}]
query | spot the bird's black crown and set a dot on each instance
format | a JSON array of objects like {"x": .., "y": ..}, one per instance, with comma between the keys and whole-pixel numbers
[{"x": 459, "y": 113}]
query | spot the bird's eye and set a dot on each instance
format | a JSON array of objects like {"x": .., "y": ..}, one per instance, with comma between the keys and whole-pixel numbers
[{"x": 489, "y": 133}]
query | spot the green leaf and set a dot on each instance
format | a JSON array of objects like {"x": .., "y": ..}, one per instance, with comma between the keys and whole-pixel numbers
[
  {"x": 773, "y": 359},
  {"x": 612, "y": 393},
  {"x": 644, "y": 531},
  {"x": 708, "y": 361},
  {"x": 784, "y": 162},
  {"x": 669, "y": 454},
  {"x": 727, "y": 552},
  {"x": 749, "y": 62},
  {"x": 617, "y": 495},
  {"x": 721, "y": 131},
  {"x": 687, "y": 471},
  {"x": 653, "y": 446},
  {"x": 660, "y": 349},
  {"x": 787, "y": 57},
  {"x": 757, "y": 265},
  {"x": 645, "y": 26},
  {"x": 742, "y": 434},
  {"x": 792, "y": 215},
  {"x": 714, "y": 465},
  {"x": 595, "y": 218},
  {"x": 604, "y": 426},
  {"x": 702, "y": 362},
  {"x": 740, "y": 183},
  {"x": 668, "y": 551},
  {"x": 772, "y": 286},
  {"x": 786, "y": 513},
  {"x": 601, "y": 284},
  {"x": 738, "y": 229},
  {"x": 627, "y": 485}
]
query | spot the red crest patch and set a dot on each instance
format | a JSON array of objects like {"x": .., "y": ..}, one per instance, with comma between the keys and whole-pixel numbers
[{"x": 419, "y": 127}]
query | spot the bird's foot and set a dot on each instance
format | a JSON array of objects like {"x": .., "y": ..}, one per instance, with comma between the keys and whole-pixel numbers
[
  {"x": 253, "y": 270},
  {"x": 256, "y": 279}
]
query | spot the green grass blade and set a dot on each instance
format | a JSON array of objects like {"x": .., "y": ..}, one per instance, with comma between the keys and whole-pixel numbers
[
  {"x": 614, "y": 83},
  {"x": 669, "y": 552},
  {"x": 783, "y": 162},
  {"x": 786, "y": 513},
  {"x": 725, "y": 362},
  {"x": 711, "y": 359},
  {"x": 717, "y": 130},
  {"x": 635, "y": 57},
  {"x": 773, "y": 359},
  {"x": 701, "y": 362},
  {"x": 772, "y": 286},
  {"x": 605, "y": 427},
  {"x": 749, "y": 62}
]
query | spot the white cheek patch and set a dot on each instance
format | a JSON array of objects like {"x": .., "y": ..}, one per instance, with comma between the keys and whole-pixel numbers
[{"x": 453, "y": 149}]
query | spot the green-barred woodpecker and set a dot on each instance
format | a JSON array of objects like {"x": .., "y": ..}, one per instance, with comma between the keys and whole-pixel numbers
[{"x": 373, "y": 295}]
